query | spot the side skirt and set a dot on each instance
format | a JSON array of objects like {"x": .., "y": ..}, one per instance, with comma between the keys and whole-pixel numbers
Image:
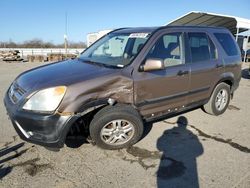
[{"x": 174, "y": 112}]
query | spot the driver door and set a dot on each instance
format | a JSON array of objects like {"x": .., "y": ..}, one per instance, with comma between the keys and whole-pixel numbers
[{"x": 163, "y": 91}]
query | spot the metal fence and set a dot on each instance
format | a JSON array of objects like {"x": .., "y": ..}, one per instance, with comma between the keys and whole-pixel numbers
[{"x": 24, "y": 52}]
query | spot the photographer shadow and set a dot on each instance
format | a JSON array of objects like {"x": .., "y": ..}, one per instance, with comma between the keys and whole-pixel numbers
[{"x": 178, "y": 165}]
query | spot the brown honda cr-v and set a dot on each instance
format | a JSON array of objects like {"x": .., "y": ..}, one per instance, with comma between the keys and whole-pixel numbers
[{"x": 126, "y": 78}]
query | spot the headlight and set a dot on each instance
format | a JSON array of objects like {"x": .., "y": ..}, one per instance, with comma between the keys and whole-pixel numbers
[{"x": 46, "y": 100}]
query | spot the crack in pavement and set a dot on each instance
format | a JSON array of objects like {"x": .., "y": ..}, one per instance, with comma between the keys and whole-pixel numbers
[
  {"x": 173, "y": 170},
  {"x": 139, "y": 161},
  {"x": 139, "y": 154},
  {"x": 222, "y": 140},
  {"x": 232, "y": 107}
]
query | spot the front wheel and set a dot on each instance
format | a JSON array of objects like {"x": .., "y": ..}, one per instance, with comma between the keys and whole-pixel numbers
[
  {"x": 115, "y": 127},
  {"x": 219, "y": 100}
]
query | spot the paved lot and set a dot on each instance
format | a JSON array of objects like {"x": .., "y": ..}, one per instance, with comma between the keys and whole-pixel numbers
[{"x": 206, "y": 151}]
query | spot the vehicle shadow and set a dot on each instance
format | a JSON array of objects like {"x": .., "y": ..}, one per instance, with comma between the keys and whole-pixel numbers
[
  {"x": 147, "y": 128},
  {"x": 75, "y": 141},
  {"x": 7, "y": 153},
  {"x": 178, "y": 166},
  {"x": 4, "y": 171},
  {"x": 7, "y": 150},
  {"x": 245, "y": 73}
]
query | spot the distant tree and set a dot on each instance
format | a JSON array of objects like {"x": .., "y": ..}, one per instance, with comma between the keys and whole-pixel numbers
[
  {"x": 76, "y": 44},
  {"x": 38, "y": 43},
  {"x": 34, "y": 43}
]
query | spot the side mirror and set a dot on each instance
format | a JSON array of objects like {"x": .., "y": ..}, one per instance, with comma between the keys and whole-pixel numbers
[{"x": 152, "y": 64}]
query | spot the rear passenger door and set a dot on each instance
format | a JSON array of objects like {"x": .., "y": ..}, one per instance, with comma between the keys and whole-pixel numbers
[{"x": 204, "y": 64}]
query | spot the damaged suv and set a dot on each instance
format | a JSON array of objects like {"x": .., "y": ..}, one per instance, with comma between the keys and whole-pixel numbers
[{"x": 128, "y": 77}]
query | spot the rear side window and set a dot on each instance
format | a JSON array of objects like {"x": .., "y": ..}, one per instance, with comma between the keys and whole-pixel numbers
[
  {"x": 227, "y": 43},
  {"x": 199, "y": 46}
]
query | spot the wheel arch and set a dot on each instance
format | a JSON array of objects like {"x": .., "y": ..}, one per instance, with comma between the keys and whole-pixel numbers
[
  {"x": 91, "y": 107},
  {"x": 227, "y": 78},
  {"x": 82, "y": 111}
]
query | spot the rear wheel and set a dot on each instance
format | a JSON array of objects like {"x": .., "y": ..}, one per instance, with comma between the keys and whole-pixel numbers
[
  {"x": 116, "y": 127},
  {"x": 219, "y": 100}
]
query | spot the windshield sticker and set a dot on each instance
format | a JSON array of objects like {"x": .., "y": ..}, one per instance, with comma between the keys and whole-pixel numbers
[{"x": 138, "y": 35}]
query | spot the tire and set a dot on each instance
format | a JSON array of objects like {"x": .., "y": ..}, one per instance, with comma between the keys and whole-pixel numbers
[
  {"x": 214, "y": 108},
  {"x": 116, "y": 127}
]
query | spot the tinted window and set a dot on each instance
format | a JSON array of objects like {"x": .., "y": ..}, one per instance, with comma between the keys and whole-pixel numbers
[
  {"x": 168, "y": 48},
  {"x": 227, "y": 43},
  {"x": 199, "y": 46}
]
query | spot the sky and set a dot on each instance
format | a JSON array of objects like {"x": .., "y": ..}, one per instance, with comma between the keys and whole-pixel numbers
[{"x": 22, "y": 20}]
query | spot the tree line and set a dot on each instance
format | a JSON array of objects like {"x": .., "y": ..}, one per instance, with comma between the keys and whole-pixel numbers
[{"x": 38, "y": 43}]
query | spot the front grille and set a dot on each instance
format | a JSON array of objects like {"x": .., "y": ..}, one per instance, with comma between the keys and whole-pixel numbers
[{"x": 16, "y": 93}]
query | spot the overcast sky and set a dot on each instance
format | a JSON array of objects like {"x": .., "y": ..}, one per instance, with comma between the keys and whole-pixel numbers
[{"x": 22, "y": 20}]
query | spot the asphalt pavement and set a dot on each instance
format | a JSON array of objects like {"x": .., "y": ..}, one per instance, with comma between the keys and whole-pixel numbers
[{"x": 193, "y": 149}]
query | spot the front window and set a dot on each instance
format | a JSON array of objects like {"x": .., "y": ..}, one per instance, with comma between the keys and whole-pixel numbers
[
  {"x": 168, "y": 48},
  {"x": 115, "y": 49}
]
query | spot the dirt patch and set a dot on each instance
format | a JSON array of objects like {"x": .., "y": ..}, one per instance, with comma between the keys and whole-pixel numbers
[
  {"x": 32, "y": 168},
  {"x": 143, "y": 153}
]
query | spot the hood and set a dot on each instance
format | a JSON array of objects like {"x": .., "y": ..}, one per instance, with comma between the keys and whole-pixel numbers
[
  {"x": 85, "y": 82},
  {"x": 60, "y": 73}
]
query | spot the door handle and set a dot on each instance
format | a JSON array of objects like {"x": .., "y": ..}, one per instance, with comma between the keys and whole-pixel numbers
[
  {"x": 219, "y": 65},
  {"x": 180, "y": 73}
]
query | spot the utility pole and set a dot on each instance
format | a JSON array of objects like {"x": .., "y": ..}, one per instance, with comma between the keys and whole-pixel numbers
[{"x": 65, "y": 35}]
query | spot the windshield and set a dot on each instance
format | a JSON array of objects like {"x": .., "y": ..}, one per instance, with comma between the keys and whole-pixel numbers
[{"x": 115, "y": 49}]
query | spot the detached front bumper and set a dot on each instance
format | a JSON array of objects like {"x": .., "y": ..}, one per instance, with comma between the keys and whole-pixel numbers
[{"x": 49, "y": 130}]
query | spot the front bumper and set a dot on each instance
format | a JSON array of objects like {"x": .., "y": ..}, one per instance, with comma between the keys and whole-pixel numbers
[{"x": 49, "y": 130}]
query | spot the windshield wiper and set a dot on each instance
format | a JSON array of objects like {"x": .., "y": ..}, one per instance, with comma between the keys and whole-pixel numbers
[
  {"x": 100, "y": 64},
  {"x": 92, "y": 62}
]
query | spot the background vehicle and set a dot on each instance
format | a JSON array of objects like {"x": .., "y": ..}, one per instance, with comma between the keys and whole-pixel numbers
[{"x": 128, "y": 77}]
